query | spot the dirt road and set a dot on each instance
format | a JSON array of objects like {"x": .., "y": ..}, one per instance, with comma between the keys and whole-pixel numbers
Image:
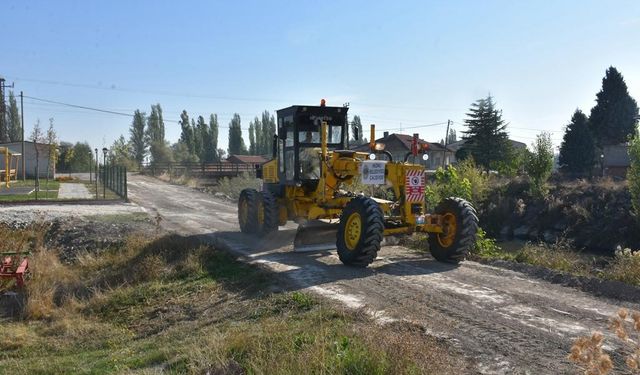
[{"x": 506, "y": 321}]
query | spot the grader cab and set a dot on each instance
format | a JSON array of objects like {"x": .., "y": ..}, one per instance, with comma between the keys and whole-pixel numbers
[{"x": 309, "y": 179}]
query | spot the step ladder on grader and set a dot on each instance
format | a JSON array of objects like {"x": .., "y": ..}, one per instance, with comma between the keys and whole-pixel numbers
[{"x": 306, "y": 182}]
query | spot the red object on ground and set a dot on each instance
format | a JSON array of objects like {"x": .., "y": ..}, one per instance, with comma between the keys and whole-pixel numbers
[{"x": 9, "y": 269}]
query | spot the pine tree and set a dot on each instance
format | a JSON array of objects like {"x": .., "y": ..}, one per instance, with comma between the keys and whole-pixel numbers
[
  {"x": 138, "y": 137},
  {"x": 577, "y": 151},
  {"x": 186, "y": 136},
  {"x": 236, "y": 143},
  {"x": 13, "y": 119},
  {"x": 613, "y": 118},
  {"x": 486, "y": 138},
  {"x": 213, "y": 133}
]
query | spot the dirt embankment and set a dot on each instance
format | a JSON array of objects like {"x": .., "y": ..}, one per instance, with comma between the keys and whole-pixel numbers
[{"x": 591, "y": 215}]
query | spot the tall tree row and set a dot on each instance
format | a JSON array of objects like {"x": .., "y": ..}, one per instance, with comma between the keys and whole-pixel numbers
[{"x": 236, "y": 142}]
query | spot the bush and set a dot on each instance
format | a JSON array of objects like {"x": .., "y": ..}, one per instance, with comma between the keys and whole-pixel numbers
[
  {"x": 465, "y": 180},
  {"x": 540, "y": 164},
  {"x": 624, "y": 267},
  {"x": 486, "y": 247},
  {"x": 232, "y": 187}
]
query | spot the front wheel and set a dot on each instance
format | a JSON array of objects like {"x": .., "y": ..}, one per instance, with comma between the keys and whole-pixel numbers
[
  {"x": 459, "y": 228},
  {"x": 360, "y": 232}
]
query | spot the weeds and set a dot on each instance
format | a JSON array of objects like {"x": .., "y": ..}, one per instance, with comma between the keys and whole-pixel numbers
[
  {"x": 175, "y": 304},
  {"x": 588, "y": 354},
  {"x": 232, "y": 187}
]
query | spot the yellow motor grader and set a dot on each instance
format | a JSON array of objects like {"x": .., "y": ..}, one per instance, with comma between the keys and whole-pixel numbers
[{"x": 307, "y": 181}]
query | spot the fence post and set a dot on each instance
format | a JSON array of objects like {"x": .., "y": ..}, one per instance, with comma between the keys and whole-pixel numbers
[{"x": 126, "y": 195}]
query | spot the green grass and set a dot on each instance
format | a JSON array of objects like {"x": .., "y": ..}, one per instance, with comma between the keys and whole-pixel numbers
[
  {"x": 47, "y": 191},
  {"x": 176, "y": 305}
]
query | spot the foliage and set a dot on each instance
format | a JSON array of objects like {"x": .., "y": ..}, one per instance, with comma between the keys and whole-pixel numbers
[
  {"x": 478, "y": 179},
  {"x": 612, "y": 119},
  {"x": 181, "y": 153},
  {"x": 588, "y": 354},
  {"x": 577, "y": 151},
  {"x": 120, "y": 153},
  {"x": 160, "y": 152},
  {"x": 633, "y": 173},
  {"x": 155, "y": 125},
  {"x": 540, "y": 163},
  {"x": 138, "y": 138},
  {"x": 231, "y": 187},
  {"x": 212, "y": 153},
  {"x": 448, "y": 183},
  {"x": 51, "y": 139},
  {"x": 486, "y": 137},
  {"x": 625, "y": 267},
  {"x": 236, "y": 143},
  {"x": 14, "y": 125},
  {"x": 356, "y": 131},
  {"x": 187, "y": 134},
  {"x": 486, "y": 247}
]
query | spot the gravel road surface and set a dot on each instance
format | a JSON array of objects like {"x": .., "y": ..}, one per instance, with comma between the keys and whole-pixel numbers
[{"x": 506, "y": 321}]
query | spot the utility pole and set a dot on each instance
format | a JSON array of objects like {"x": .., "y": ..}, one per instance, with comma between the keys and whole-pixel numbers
[
  {"x": 24, "y": 164},
  {"x": 446, "y": 140}
]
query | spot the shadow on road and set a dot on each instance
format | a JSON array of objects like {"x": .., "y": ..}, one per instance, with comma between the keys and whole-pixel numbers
[{"x": 317, "y": 268}]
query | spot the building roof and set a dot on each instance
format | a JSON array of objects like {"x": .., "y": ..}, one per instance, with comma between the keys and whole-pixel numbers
[
  {"x": 455, "y": 146},
  {"x": 405, "y": 140},
  {"x": 247, "y": 159}
]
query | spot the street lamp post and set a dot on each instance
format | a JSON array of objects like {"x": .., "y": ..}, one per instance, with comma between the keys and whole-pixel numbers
[
  {"x": 104, "y": 176},
  {"x": 97, "y": 165}
]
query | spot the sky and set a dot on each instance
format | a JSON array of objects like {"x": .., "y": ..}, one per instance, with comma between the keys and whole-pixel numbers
[{"x": 399, "y": 64}]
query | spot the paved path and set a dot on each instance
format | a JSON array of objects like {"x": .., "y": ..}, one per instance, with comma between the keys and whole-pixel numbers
[
  {"x": 73, "y": 191},
  {"x": 507, "y": 322}
]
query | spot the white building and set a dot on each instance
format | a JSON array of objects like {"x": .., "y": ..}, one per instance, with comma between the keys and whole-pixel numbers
[{"x": 29, "y": 158}]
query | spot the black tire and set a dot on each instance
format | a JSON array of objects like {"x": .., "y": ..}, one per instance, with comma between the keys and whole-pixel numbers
[
  {"x": 463, "y": 241},
  {"x": 364, "y": 251},
  {"x": 249, "y": 204},
  {"x": 271, "y": 212}
]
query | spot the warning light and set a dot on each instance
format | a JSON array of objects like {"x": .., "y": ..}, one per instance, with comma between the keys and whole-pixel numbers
[
  {"x": 322, "y": 102},
  {"x": 424, "y": 146}
]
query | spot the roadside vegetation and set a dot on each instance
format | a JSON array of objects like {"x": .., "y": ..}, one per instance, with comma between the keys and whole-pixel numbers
[
  {"x": 174, "y": 304},
  {"x": 590, "y": 356}
]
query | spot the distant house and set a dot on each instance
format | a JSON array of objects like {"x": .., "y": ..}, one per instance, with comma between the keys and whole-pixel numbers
[
  {"x": 29, "y": 158},
  {"x": 254, "y": 160},
  {"x": 455, "y": 146},
  {"x": 400, "y": 144},
  {"x": 615, "y": 160}
]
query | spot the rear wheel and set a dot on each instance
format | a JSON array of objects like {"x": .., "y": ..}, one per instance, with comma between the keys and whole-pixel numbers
[
  {"x": 459, "y": 225},
  {"x": 360, "y": 232},
  {"x": 250, "y": 211},
  {"x": 271, "y": 212}
]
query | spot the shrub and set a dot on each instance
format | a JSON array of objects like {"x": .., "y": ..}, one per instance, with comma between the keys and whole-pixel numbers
[
  {"x": 540, "y": 164},
  {"x": 232, "y": 187},
  {"x": 448, "y": 183},
  {"x": 624, "y": 267},
  {"x": 487, "y": 247}
]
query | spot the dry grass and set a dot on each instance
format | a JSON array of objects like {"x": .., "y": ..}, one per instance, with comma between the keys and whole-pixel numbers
[
  {"x": 174, "y": 305},
  {"x": 588, "y": 354}
]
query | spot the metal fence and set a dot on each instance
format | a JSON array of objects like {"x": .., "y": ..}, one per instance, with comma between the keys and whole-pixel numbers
[
  {"x": 210, "y": 170},
  {"x": 114, "y": 178}
]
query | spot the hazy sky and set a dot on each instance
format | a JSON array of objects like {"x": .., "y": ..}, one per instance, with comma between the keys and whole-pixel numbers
[{"x": 399, "y": 64}]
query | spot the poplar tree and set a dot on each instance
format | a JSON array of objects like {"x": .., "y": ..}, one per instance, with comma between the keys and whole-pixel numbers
[
  {"x": 213, "y": 132},
  {"x": 236, "y": 143},
  {"x": 186, "y": 136},
  {"x": 138, "y": 137},
  {"x": 13, "y": 120}
]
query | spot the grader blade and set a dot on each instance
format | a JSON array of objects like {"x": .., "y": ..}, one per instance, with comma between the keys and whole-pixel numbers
[{"x": 315, "y": 236}]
